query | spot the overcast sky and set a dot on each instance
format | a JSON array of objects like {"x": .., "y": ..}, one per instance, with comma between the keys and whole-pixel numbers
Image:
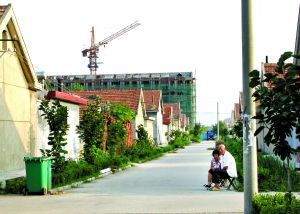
[{"x": 201, "y": 36}]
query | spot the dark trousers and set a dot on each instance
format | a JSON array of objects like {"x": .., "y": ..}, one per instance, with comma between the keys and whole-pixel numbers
[{"x": 218, "y": 175}]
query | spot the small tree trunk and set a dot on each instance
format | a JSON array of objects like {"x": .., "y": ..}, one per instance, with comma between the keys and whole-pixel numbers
[
  {"x": 289, "y": 176},
  {"x": 104, "y": 138}
]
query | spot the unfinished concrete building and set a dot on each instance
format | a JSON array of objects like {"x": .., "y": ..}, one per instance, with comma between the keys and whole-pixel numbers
[{"x": 175, "y": 87}]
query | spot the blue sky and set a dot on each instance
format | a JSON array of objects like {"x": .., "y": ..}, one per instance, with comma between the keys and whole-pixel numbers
[{"x": 202, "y": 36}]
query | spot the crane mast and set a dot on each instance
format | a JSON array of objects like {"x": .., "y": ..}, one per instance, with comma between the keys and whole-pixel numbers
[{"x": 92, "y": 52}]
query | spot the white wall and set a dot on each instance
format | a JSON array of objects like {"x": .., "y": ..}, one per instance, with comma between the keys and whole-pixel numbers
[{"x": 73, "y": 142}]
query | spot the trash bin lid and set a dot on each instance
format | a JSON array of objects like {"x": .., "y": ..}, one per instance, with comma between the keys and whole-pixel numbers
[{"x": 37, "y": 159}]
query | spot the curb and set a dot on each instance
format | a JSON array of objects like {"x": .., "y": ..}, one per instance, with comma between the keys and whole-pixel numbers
[{"x": 102, "y": 173}]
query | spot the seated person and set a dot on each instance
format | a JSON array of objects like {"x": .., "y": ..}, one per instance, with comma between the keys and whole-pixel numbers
[
  {"x": 215, "y": 165},
  {"x": 228, "y": 167}
]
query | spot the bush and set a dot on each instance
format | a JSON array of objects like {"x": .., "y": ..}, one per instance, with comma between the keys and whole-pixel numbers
[
  {"x": 74, "y": 171},
  {"x": 15, "y": 185},
  {"x": 270, "y": 181},
  {"x": 275, "y": 204}
]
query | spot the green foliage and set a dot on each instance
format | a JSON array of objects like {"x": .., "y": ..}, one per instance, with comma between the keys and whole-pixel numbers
[
  {"x": 275, "y": 204},
  {"x": 56, "y": 116},
  {"x": 270, "y": 181},
  {"x": 74, "y": 171},
  {"x": 142, "y": 148},
  {"x": 279, "y": 102},
  {"x": 116, "y": 130},
  {"x": 196, "y": 132},
  {"x": 92, "y": 126},
  {"x": 90, "y": 130},
  {"x": 237, "y": 129},
  {"x": 223, "y": 129},
  {"x": 179, "y": 139},
  {"x": 75, "y": 87},
  {"x": 235, "y": 147},
  {"x": 15, "y": 185}
]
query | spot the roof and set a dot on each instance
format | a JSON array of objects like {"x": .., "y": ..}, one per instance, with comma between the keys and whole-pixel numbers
[
  {"x": 66, "y": 97},
  {"x": 167, "y": 114},
  {"x": 152, "y": 99},
  {"x": 131, "y": 98},
  {"x": 175, "y": 109},
  {"x": 2, "y": 9},
  {"x": 8, "y": 23}
]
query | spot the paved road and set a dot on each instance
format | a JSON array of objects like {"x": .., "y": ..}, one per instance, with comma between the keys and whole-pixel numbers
[{"x": 170, "y": 184}]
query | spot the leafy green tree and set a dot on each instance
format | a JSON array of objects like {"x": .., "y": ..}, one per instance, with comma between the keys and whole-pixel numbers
[
  {"x": 56, "y": 116},
  {"x": 279, "y": 103},
  {"x": 117, "y": 134},
  {"x": 223, "y": 129},
  {"x": 90, "y": 130},
  {"x": 198, "y": 129},
  {"x": 237, "y": 129}
]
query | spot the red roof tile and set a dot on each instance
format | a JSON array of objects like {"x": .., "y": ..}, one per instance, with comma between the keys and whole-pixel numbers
[
  {"x": 175, "y": 108},
  {"x": 152, "y": 98},
  {"x": 130, "y": 98},
  {"x": 66, "y": 97}
]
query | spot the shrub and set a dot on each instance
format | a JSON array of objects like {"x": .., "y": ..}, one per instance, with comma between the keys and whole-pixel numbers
[
  {"x": 275, "y": 204},
  {"x": 73, "y": 172},
  {"x": 15, "y": 185}
]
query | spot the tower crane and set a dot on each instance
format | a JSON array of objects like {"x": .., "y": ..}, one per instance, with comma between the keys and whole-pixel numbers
[{"x": 94, "y": 49}]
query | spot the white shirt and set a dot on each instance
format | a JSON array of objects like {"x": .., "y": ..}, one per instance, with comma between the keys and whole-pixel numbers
[
  {"x": 216, "y": 165},
  {"x": 228, "y": 160}
]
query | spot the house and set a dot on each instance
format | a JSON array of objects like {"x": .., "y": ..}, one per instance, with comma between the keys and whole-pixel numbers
[
  {"x": 18, "y": 102},
  {"x": 153, "y": 101},
  {"x": 134, "y": 99},
  {"x": 167, "y": 121},
  {"x": 73, "y": 104},
  {"x": 183, "y": 122},
  {"x": 176, "y": 112}
]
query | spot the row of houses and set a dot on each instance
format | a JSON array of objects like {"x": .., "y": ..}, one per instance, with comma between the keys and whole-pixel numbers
[{"x": 23, "y": 130}]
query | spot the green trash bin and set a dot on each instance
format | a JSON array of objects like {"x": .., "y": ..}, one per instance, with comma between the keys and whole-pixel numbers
[{"x": 38, "y": 175}]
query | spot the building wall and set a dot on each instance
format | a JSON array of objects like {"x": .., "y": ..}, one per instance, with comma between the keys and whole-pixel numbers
[
  {"x": 139, "y": 119},
  {"x": 293, "y": 142},
  {"x": 149, "y": 127},
  {"x": 17, "y": 120},
  {"x": 73, "y": 143}
]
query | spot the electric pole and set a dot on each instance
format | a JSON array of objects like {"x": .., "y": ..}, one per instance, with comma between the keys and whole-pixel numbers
[{"x": 249, "y": 126}]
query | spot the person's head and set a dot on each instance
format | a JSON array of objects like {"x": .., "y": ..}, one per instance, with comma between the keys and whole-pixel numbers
[
  {"x": 218, "y": 143},
  {"x": 216, "y": 154},
  {"x": 222, "y": 149}
]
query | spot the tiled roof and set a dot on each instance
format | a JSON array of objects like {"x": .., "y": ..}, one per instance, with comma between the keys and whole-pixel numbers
[
  {"x": 167, "y": 115},
  {"x": 175, "y": 108},
  {"x": 2, "y": 9},
  {"x": 152, "y": 98},
  {"x": 128, "y": 97},
  {"x": 66, "y": 97},
  {"x": 270, "y": 67}
]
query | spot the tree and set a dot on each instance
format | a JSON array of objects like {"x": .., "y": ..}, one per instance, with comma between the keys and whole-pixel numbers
[
  {"x": 90, "y": 130},
  {"x": 198, "y": 129},
  {"x": 279, "y": 104},
  {"x": 223, "y": 130},
  {"x": 237, "y": 129},
  {"x": 56, "y": 116}
]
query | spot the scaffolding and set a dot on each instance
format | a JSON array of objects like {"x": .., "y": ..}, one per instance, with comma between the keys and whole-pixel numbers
[{"x": 175, "y": 87}]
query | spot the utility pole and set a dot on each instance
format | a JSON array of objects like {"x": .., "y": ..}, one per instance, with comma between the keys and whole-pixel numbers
[
  {"x": 249, "y": 126},
  {"x": 218, "y": 124}
]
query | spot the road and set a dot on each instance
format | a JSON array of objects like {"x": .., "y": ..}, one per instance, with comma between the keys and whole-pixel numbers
[{"x": 170, "y": 184}]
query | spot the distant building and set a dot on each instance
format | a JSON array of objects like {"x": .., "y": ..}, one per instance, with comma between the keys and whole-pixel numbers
[{"x": 175, "y": 87}]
